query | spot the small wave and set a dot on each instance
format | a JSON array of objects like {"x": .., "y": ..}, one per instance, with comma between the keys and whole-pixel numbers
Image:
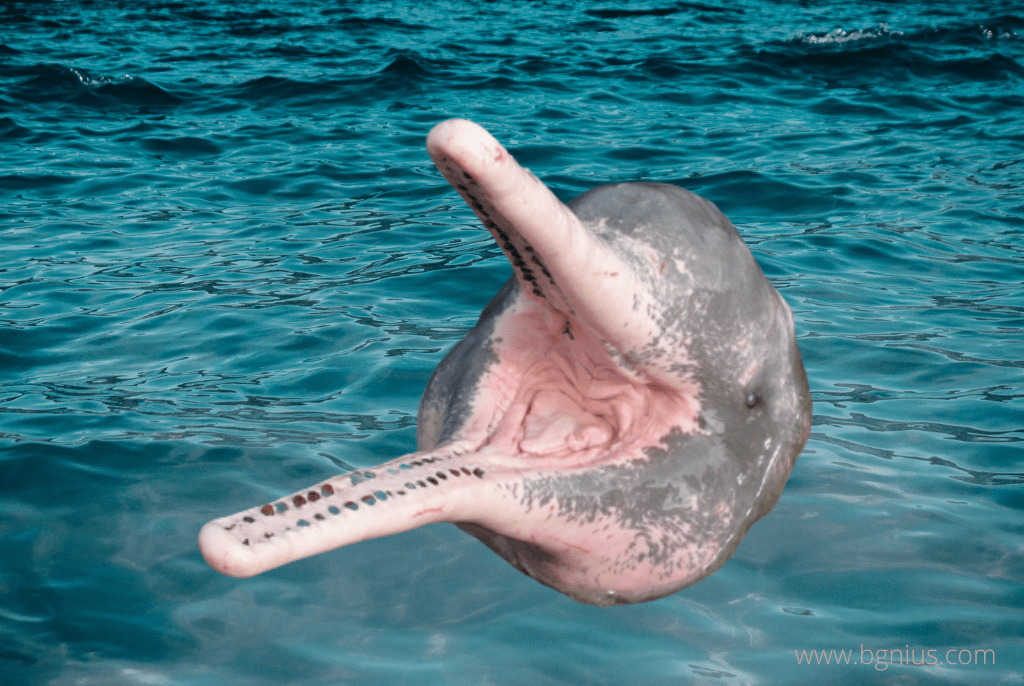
[
  {"x": 89, "y": 79},
  {"x": 990, "y": 34},
  {"x": 181, "y": 146},
  {"x": 10, "y": 129},
  {"x": 54, "y": 82},
  {"x": 624, "y": 13},
  {"x": 841, "y": 36}
]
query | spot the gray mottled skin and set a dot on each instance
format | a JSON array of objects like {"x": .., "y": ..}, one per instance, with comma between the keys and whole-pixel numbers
[
  {"x": 721, "y": 289},
  {"x": 446, "y": 402}
]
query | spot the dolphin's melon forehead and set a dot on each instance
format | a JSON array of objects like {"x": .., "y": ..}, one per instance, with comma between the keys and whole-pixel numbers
[
  {"x": 658, "y": 207},
  {"x": 678, "y": 224}
]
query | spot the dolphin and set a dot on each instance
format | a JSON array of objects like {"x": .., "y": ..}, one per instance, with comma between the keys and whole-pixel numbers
[{"x": 627, "y": 406}]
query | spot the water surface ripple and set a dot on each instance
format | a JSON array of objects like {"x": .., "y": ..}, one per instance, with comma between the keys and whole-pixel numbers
[{"x": 229, "y": 268}]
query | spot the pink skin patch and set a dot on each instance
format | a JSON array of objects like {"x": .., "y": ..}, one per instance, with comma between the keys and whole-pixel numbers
[
  {"x": 620, "y": 416},
  {"x": 565, "y": 401}
]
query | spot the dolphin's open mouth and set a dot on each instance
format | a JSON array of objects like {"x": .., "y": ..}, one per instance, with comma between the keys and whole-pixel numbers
[
  {"x": 626, "y": 407},
  {"x": 572, "y": 404}
]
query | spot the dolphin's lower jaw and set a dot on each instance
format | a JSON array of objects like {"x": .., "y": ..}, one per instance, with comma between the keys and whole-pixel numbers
[
  {"x": 538, "y": 476},
  {"x": 610, "y": 532},
  {"x": 584, "y": 547},
  {"x": 627, "y": 406}
]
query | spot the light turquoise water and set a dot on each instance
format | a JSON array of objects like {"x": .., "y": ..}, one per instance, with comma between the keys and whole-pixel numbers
[{"x": 229, "y": 269}]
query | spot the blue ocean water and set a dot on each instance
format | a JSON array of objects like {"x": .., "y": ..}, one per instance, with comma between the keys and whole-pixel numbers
[{"x": 229, "y": 267}]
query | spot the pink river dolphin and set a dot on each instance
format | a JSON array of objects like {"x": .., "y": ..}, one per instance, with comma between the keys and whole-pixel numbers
[{"x": 627, "y": 406}]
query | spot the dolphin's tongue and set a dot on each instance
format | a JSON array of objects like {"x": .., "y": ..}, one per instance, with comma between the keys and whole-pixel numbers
[{"x": 555, "y": 422}]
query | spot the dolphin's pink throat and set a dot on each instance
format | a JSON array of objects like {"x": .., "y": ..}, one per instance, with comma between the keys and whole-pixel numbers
[{"x": 576, "y": 430}]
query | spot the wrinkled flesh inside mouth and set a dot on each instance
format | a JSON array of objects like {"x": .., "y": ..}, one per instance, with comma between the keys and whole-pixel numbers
[{"x": 576, "y": 407}]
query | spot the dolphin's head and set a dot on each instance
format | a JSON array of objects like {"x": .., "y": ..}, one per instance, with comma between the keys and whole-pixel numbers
[
  {"x": 627, "y": 406},
  {"x": 695, "y": 322}
]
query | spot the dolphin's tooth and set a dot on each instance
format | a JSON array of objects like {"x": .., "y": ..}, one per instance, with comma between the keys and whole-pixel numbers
[{"x": 395, "y": 497}]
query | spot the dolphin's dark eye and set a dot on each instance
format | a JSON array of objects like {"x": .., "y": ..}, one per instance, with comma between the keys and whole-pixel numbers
[{"x": 753, "y": 400}]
